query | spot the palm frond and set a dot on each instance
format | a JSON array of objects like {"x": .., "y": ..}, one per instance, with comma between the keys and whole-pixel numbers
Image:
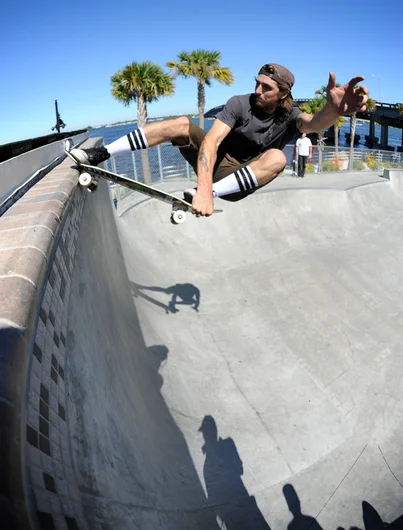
[{"x": 146, "y": 79}]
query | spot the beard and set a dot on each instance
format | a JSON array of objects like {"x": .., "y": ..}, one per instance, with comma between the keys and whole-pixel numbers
[{"x": 262, "y": 105}]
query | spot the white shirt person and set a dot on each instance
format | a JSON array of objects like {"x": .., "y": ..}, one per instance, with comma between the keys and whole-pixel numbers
[{"x": 303, "y": 153}]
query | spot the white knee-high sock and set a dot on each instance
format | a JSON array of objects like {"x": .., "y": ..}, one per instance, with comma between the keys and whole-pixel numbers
[
  {"x": 129, "y": 142},
  {"x": 242, "y": 180}
]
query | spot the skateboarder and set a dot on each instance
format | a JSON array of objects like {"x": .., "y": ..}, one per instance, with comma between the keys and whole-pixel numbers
[{"x": 243, "y": 149}]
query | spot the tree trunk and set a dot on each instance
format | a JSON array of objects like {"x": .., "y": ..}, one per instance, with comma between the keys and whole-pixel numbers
[
  {"x": 320, "y": 145},
  {"x": 353, "y": 124},
  {"x": 141, "y": 121},
  {"x": 336, "y": 139},
  {"x": 201, "y": 100}
]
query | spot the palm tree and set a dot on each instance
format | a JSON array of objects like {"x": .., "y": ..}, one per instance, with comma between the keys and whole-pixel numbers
[
  {"x": 337, "y": 125},
  {"x": 205, "y": 66},
  {"x": 311, "y": 107},
  {"x": 371, "y": 104},
  {"x": 144, "y": 83}
]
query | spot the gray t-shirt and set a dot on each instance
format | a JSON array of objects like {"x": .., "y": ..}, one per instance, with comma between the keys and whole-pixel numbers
[{"x": 254, "y": 131}]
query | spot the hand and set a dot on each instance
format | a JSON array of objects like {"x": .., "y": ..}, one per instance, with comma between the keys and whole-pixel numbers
[
  {"x": 202, "y": 204},
  {"x": 346, "y": 99}
]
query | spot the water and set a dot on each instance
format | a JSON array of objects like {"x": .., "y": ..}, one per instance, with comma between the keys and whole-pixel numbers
[
  {"x": 395, "y": 135},
  {"x": 166, "y": 161}
]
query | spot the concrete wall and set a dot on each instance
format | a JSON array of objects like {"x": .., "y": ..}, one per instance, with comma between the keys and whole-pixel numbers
[
  {"x": 37, "y": 242},
  {"x": 84, "y": 424},
  {"x": 15, "y": 171}
]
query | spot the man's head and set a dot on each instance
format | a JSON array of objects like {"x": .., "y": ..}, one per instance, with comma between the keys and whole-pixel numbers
[
  {"x": 209, "y": 429},
  {"x": 273, "y": 88},
  {"x": 303, "y": 135}
]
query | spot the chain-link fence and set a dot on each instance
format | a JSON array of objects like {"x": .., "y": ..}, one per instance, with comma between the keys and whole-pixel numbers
[
  {"x": 330, "y": 160},
  {"x": 166, "y": 163}
]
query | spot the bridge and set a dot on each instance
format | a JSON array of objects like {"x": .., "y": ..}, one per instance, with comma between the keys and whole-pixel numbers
[
  {"x": 389, "y": 111},
  {"x": 385, "y": 114}
]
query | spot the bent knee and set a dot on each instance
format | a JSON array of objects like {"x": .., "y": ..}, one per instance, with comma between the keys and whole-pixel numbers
[
  {"x": 182, "y": 125},
  {"x": 275, "y": 157}
]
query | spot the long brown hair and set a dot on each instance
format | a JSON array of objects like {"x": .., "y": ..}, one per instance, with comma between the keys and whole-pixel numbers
[{"x": 287, "y": 103}]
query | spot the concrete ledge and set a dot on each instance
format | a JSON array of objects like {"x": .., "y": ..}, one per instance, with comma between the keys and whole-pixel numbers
[
  {"x": 29, "y": 233},
  {"x": 388, "y": 173},
  {"x": 16, "y": 170}
]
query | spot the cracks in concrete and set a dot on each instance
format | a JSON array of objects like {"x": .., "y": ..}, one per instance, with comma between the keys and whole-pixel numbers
[
  {"x": 257, "y": 413},
  {"x": 390, "y": 469},
  {"x": 341, "y": 482}
]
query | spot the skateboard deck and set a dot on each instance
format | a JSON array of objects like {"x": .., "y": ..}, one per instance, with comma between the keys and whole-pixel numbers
[{"x": 90, "y": 174}]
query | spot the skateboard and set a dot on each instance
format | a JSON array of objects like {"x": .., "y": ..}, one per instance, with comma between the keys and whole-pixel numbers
[{"x": 89, "y": 176}]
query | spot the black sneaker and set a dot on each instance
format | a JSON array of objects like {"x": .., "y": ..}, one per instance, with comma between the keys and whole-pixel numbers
[{"x": 92, "y": 156}]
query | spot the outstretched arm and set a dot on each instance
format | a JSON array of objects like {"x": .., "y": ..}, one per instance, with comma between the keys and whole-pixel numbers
[
  {"x": 341, "y": 101},
  {"x": 203, "y": 200}
]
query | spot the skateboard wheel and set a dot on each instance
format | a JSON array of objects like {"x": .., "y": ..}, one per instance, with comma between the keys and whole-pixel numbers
[
  {"x": 178, "y": 217},
  {"x": 68, "y": 144},
  {"x": 85, "y": 180}
]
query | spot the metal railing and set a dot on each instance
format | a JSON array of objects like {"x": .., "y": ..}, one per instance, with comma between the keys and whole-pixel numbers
[
  {"x": 167, "y": 164},
  {"x": 363, "y": 159}
]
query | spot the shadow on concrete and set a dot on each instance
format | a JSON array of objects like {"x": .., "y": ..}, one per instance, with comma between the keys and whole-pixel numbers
[
  {"x": 226, "y": 492},
  {"x": 300, "y": 520},
  {"x": 158, "y": 357},
  {"x": 132, "y": 465},
  {"x": 235, "y": 509},
  {"x": 181, "y": 294},
  {"x": 371, "y": 518},
  {"x": 373, "y": 521}
]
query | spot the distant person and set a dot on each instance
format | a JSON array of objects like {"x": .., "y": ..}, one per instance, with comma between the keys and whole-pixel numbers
[
  {"x": 243, "y": 150},
  {"x": 303, "y": 153}
]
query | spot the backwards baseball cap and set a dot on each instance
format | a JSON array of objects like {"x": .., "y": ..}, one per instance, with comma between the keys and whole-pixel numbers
[{"x": 279, "y": 74}]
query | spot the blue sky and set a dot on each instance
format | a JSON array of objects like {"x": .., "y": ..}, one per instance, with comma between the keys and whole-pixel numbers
[{"x": 69, "y": 50}]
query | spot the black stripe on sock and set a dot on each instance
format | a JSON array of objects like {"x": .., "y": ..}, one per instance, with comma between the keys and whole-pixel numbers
[
  {"x": 141, "y": 138},
  {"x": 241, "y": 186},
  {"x": 252, "y": 184},
  {"x": 245, "y": 179},
  {"x": 136, "y": 140},
  {"x": 131, "y": 142}
]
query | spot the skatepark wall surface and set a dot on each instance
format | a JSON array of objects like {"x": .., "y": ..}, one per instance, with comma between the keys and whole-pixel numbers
[{"x": 238, "y": 372}]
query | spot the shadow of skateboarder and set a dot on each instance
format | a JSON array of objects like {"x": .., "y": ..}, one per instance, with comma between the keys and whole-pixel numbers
[{"x": 181, "y": 294}]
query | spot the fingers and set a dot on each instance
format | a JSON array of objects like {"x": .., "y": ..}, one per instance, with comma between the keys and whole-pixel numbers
[
  {"x": 362, "y": 90},
  {"x": 202, "y": 206},
  {"x": 354, "y": 81},
  {"x": 332, "y": 81},
  {"x": 200, "y": 214},
  {"x": 362, "y": 93}
]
